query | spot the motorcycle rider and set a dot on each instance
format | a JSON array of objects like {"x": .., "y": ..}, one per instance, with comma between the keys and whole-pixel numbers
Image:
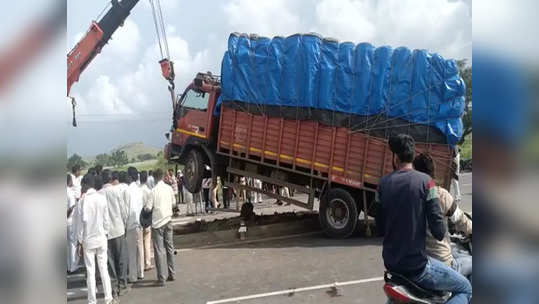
[
  {"x": 408, "y": 200},
  {"x": 459, "y": 260}
]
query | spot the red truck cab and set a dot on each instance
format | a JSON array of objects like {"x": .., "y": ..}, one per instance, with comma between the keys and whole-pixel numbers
[
  {"x": 193, "y": 127},
  {"x": 194, "y": 111}
]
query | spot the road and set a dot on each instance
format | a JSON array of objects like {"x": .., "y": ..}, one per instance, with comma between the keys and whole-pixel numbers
[
  {"x": 205, "y": 275},
  {"x": 294, "y": 269},
  {"x": 466, "y": 191}
]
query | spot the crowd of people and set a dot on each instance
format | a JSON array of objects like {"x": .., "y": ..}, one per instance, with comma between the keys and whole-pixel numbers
[{"x": 122, "y": 220}]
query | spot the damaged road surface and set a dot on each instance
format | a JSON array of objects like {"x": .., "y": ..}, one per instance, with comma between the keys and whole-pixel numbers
[{"x": 298, "y": 269}]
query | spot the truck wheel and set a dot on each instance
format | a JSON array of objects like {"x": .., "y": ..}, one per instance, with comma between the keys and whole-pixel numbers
[
  {"x": 338, "y": 213},
  {"x": 193, "y": 171}
]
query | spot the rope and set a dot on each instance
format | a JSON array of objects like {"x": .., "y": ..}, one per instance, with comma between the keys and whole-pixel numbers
[
  {"x": 156, "y": 28},
  {"x": 104, "y": 9},
  {"x": 354, "y": 64},
  {"x": 297, "y": 77},
  {"x": 410, "y": 90},
  {"x": 370, "y": 90},
  {"x": 386, "y": 109},
  {"x": 428, "y": 105},
  {"x": 396, "y": 126},
  {"x": 337, "y": 67},
  {"x": 161, "y": 20},
  {"x": 389, "y": 120}
]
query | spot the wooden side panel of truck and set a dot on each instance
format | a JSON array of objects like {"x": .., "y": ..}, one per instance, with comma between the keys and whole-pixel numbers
[{"x": 335, "y": 154}]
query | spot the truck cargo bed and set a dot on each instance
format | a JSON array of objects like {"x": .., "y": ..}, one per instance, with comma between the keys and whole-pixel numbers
[{"x": 335, "y": 154}]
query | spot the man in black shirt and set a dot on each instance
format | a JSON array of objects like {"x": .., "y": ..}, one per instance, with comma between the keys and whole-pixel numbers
[{"x": 408, "y": 202}]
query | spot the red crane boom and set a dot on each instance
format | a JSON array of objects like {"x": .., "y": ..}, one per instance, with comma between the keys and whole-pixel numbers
[{"x": 100, "y": 33}]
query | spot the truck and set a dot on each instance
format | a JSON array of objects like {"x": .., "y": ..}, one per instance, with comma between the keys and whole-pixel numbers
[{"x": 225, "y": 124}]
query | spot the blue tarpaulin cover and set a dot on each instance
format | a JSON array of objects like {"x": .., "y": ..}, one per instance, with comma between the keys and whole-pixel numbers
[{"x": 306, "y": 70}]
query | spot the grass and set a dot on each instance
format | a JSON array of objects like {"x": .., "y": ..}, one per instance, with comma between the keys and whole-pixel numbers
[
  {"x": 135, "y": 149},
  {"x": 132, "y": 150},
  {"x": 144, "y": 166},
  {"x": 148, "y": 165},
  {"x": 466, "y": 148},
  {"x": 531, "y": 148}
]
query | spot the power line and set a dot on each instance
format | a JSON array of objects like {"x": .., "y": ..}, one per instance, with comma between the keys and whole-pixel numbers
[
  {"x": 123, "y": 114},
  {"x": 123, "y": 120}
]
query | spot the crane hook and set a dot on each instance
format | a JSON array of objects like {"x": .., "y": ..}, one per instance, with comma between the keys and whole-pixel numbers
[{"x": 74, "y": 104}]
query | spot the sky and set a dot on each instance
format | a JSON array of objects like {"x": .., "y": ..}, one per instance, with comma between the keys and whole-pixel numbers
[{"x": 123, "y": 98}]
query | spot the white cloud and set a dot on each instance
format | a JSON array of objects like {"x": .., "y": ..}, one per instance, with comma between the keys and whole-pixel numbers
[
  {"x": 74, "y": 41},
  {"x": 104, "y": 97},
  {"x": 345, "y": 20},
  {"x": 125, "y": 42},
  {"x": 263, "y": 17},
  {"x": 166, "y": 5},
  {"x": 437, "y": 25},
  {"x": 508, "y": 29},
  {"x": 141, "y": 88}
]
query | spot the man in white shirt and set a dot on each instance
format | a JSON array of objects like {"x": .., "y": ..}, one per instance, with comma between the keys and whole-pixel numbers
[
  {"x": 257, "y": 195},
  {"x": 72, "y": 257},
  {"x": 122, "y": 186},
  {"x": 161, "y": 202},
  {"x": 455, "y": 173},
  {"x": 92, "y": 237},
  {"x": 133, "y": 229},
  {"x": 150, "y": 182},
  {"x": 146, "y": 231},
  {"x": 76, "y": 177},
  {"x": 117, "y": 245}
]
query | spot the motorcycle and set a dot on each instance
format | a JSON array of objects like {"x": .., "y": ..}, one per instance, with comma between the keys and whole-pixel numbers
[{"x": 400, "y": 290}]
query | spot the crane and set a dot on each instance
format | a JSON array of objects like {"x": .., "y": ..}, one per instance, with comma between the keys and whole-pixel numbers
[{"x": 99, "y": 34}]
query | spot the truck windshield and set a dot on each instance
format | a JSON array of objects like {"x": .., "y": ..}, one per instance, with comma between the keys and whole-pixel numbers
[{"x": 196, "y": 100}]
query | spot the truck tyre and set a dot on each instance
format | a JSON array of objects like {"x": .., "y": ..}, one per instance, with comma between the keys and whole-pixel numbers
[
  {"x": 193, "y": 171},
  {"x": 338, "y": 213}
]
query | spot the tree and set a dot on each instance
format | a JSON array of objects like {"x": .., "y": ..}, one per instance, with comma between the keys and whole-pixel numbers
[
  {"x": 466, "y": 74},
  {"x": 146, "y": 156},
  {"x": 103, "y": 159},
  {"x": 75, "y": 159},
  {"x": 119, "y": 158}
]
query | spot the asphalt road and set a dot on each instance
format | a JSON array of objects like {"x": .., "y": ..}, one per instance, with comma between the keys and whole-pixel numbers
[
  {"x": 466, "y": 191},
  {"x": 205, "y": 275},
  {"x": 297, "y": 269}
]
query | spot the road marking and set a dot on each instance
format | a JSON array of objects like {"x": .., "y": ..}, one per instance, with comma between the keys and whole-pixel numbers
[
  {"x": 275, "y": 238},
  {"x": 180, "y": 222},
  {"x": 295, "y": 290}
]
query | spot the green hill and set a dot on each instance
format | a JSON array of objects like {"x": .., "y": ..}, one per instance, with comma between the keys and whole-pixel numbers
[
  {"x": 132, "y": 150},
  {"x": 135, "y": 149}
]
